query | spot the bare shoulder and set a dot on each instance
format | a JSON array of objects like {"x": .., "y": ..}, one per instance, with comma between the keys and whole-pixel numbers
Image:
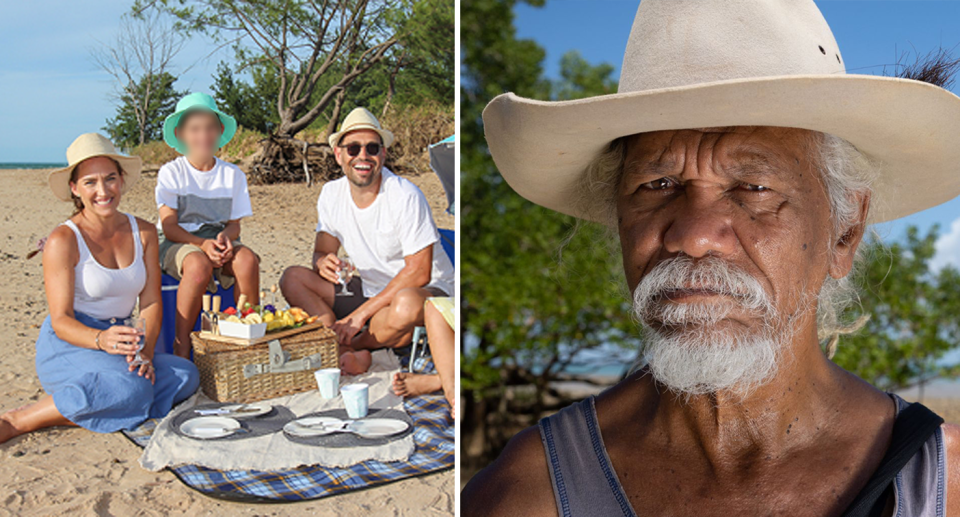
[
  {"x": 518, "y": 483},
  {"x": 951, "y": 442},
  {"x": 61, "y": 240},
  {"x": 146, "y": 228}
]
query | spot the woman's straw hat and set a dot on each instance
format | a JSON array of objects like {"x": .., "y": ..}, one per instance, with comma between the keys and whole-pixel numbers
[
  {"x": 196, "y": 101},
  {"x": 90, "y": 145},
  {"x": 360, "y": 118},
  {"x": 719, "y": 63}
]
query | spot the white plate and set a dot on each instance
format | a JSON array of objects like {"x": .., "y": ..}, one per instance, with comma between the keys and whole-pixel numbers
[
  {"x": 261, "y": 409},
  {"x": 301, "y": 427},
  {"x": 208, "y": 427},
  {"x": 378, "y": 427}
]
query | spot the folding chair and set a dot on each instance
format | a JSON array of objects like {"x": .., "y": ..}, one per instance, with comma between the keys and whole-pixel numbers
[{"x": 420, "y": 343}]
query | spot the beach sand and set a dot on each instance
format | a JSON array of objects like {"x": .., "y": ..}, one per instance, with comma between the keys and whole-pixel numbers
[{"x": 68, "y": 471}]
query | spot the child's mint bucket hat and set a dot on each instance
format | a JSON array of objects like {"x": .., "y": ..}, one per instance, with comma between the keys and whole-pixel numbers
[{"x": 194, "y": 102}]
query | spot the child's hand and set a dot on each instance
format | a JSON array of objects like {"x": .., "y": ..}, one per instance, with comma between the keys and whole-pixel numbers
[
  {"x": 212, "y": 249},
  {"x": 226, "y": 246}
]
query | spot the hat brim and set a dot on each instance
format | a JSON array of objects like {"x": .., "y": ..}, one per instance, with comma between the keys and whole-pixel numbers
[
  {"x": 385, "y": 135},
  {"x": 173, "y": 120},
  {"x": 543, "y": 148},
  {"x": 59, "y": 180}
]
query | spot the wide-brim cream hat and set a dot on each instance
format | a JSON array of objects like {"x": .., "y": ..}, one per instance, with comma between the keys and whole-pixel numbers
[
  {"x": 720, "y": 63},
  {"x": 90, "y": 145},
  {"x": 360, "y": 118}
]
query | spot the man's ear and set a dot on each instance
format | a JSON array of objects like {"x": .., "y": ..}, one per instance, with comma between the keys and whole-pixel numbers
[
  {"x": 337, "y": 155},
  {"x": 846, "y": 243}
]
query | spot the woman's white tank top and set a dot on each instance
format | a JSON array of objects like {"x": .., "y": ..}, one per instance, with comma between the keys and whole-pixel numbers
[{"x": 104, "y": 293}]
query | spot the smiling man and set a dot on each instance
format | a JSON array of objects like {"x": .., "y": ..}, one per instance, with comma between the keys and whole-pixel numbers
[
  {"x": 384, "y": 224},
  {"x": 740, "y": 166}
]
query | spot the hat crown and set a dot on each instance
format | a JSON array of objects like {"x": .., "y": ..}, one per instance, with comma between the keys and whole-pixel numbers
[
  {"x": 196, "y": 99},
  {"x": 359, "y": 117},
  {"x": 87, "y": 145},
  {"x": 683, "y": 42}
]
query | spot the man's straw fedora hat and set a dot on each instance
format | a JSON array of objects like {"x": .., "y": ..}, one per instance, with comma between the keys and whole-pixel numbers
[
  {"x": 358, "y": 119},
  {"x": 90, "y": 145},
  {"x": 719, "y": 63}
]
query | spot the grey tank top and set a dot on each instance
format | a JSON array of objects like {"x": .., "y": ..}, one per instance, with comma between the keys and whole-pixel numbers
[{"x": 585, "y": 484}]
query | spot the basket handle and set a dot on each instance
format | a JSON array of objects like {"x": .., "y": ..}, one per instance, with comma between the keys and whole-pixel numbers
[{"x": 280, "y": 362}]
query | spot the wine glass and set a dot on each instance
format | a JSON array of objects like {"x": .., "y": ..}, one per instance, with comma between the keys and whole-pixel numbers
[
  {"x": 344, "y": 274},
  {"x": 140, "y": 325}
]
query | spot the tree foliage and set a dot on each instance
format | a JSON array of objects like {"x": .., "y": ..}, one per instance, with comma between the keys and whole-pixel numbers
[
  {"x": 140, "y": 60},
  {"x": 136, "y": 122},
  {"x": 315, "y": 49},
  {"x": 913, "y": 315},
  {"x": 526, "y": 317},
  {"x": 251, "y": 104}
]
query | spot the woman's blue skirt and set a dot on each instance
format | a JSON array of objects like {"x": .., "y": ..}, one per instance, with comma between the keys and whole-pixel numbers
[{"x": 96, "y": 390}]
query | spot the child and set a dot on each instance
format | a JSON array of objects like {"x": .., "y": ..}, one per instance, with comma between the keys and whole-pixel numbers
[{"x": 201, "y": 201}]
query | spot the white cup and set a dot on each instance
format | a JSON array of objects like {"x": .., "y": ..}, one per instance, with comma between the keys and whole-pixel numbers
[
  {"x": 356, "y": 398},
  {"x": 328, "y": 382}
]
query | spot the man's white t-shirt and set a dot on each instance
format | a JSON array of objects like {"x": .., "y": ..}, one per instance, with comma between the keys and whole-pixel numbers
[
  {"x": 377, "y": 238},
  {"x": 203, "y": 197}
]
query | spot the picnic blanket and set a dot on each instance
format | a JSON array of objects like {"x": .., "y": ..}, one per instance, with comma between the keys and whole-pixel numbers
[
  {"x": 434, "y": 451},
  {"x": 275, "y": 451}
]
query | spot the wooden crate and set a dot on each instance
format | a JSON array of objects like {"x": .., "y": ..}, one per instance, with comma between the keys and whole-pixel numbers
[{"x": 281, "y": 363}]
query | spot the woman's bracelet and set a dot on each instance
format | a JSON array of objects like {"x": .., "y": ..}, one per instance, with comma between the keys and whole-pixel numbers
[{"x": 96, "y": 340}]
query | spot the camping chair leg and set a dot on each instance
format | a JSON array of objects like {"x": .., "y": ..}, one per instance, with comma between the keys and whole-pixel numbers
[{"x": 418, "y": 334}]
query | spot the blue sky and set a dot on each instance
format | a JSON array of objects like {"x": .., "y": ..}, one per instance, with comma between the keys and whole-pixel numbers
[
  {"x": 50, "y": 89},
  {"x": 871, "y": 34}
]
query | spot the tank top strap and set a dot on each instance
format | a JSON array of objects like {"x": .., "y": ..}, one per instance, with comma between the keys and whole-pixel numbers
[
  {"x": 81, "y": 243},
  {"x": 584, "y": 482},
  {"x": 920, "y": 487},
  {"x": 137, "y": 241}
]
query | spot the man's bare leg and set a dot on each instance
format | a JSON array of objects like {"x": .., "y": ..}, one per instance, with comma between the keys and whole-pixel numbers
[
  {"x": 355, "y": 362},
  {"x": 442, "y": 339},
  {"x": 304, "y": 288},
  {"x": 393, "y": 325},
  {"x": 38, "y": 415}
]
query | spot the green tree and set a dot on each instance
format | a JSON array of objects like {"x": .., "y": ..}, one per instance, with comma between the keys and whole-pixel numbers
[
  {"x": 251, "y": 104},
  {"x": 527, "y": 317},
  {"x": 315, "y": 49},
  {"x": 913, "y": 315},
  {"x": 140, "y": 60},
  {"x": 135, "y": 122}
]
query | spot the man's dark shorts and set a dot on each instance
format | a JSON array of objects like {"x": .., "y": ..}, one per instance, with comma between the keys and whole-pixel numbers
[{"x": 344, "y": 305}]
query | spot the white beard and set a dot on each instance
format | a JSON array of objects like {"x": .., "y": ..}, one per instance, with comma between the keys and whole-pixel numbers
[{"x": 685, "y": 349}]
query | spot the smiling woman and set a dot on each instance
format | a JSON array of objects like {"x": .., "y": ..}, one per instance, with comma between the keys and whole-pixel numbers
[{"x": 98, "y": 267}]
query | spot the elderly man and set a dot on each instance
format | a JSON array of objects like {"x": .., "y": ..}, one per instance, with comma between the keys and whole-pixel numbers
[
  {"x": 740, "y": 166},
  {"x": 384, "y": 224}
]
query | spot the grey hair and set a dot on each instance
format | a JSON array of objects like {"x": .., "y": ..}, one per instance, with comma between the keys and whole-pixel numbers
[{"x": 846, "y": 174}]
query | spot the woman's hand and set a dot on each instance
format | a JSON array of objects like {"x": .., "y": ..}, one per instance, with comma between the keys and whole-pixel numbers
[
  {"x": 119, "y": 340},
  {"x": 144, "y": 370}
]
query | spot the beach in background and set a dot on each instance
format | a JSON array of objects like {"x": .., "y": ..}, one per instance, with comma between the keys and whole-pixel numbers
[{"x": 73, "y": 471}]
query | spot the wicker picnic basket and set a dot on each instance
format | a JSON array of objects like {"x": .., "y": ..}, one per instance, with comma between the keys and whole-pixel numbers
[{"x": 235, "y": 370}]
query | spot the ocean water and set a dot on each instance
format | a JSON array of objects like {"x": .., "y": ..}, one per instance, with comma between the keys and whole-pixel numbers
[{"x": 24, "y": 165}]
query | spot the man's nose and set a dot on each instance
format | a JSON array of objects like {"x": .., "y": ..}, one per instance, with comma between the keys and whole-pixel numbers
[{"x": 701, "y": 226}]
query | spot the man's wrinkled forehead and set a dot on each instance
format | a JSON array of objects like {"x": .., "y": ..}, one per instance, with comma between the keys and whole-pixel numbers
[{"x": 743, "y": 143}]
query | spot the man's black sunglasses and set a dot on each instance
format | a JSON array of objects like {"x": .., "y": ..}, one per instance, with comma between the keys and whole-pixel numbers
[{"x": 373, "y": 149}]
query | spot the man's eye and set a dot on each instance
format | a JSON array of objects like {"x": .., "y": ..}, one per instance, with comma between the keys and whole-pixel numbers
[
  {"x": 753, "y": 188},
  {"x": 657, "y": 184}
]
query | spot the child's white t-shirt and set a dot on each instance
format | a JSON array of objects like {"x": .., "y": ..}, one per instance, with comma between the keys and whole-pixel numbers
[
  {"x": 377, "y": 238},
  {"x": 203, "y": 197}
]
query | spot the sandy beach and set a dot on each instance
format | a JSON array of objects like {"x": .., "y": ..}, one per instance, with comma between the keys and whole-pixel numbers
[{"x": 65, "y": 471}]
